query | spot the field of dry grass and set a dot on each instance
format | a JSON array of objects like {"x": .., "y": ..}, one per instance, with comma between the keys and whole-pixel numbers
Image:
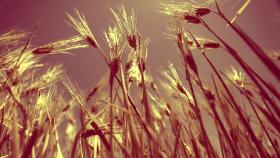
[{"x": 130, "y": 112}]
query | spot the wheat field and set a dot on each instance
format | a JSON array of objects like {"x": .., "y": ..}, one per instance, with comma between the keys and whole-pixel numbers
[{"x": 130, "y": 112}]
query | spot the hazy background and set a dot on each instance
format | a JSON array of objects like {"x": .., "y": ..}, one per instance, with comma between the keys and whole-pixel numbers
[{"x": 86, "y": 66}]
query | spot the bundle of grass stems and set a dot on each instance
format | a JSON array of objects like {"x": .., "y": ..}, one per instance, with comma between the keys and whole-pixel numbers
[{"x": 129, "y": 112}]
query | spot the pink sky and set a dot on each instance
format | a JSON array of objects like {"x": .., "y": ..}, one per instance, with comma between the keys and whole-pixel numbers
[{"x": 86, "y": 66}]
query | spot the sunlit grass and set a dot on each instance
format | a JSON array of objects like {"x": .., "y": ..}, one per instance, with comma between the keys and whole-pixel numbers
[{"x": 130, "y": 112}]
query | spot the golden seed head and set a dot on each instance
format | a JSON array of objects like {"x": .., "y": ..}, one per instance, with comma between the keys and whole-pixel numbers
[
  {"x": 237, "y": 77},
  {"x": 63, "y": 45},
  {"x": 12, "y": 37},
  {"x": 113, "y": 37},
  {"x": 127, "y": 24},
  {"x": 79, "y": 23}
]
